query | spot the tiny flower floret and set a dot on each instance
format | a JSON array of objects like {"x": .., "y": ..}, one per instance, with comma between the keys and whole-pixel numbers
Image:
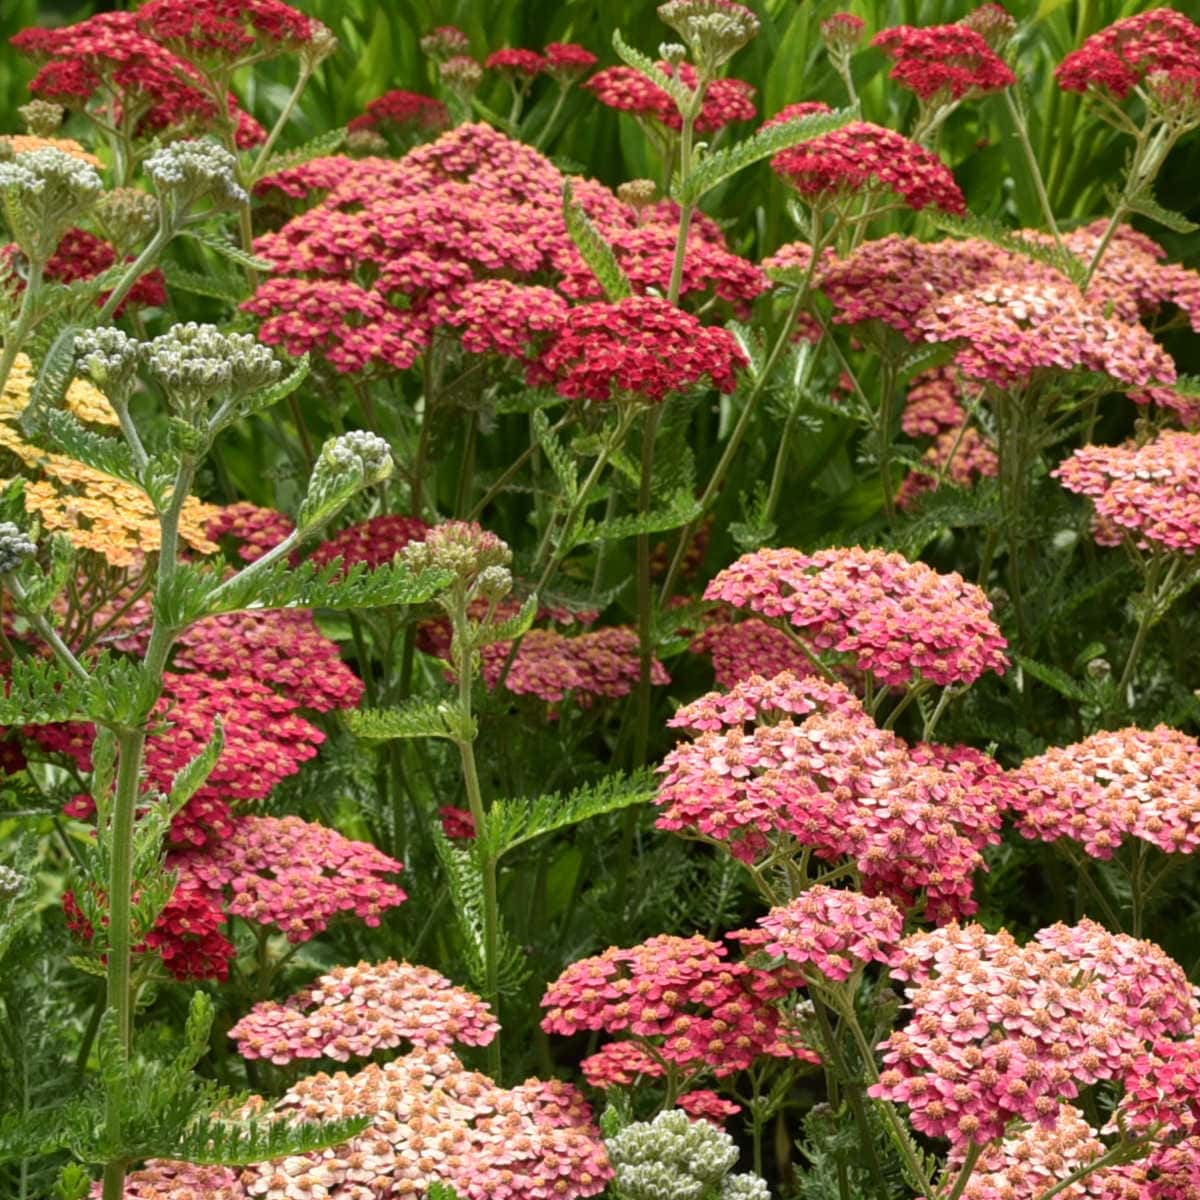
[{"x": 109, "y": 357}]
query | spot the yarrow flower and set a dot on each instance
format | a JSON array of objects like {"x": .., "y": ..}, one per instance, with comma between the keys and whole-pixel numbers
[
  {"x": 374, "y": 542},
  {"x": 705, "y": 1105},
  {"x": 1113, "y": 785},
  {"x": 189, "y": 171},
  {"x": 741, "y": 649},
  {"x": 902, "y": 621},
  {"x": 797, "y": 761},
  {"x": 834, "y": 931},
  {"x": 712, "y": 30},
  {"x": 432, "y": 1120},
  {"x": 684, "y": 997},
  {"x": 932, "y": 403},
  {"x": 525, "y": 64},
  {"x": 497, "y": 316},
  {"x": 163, "y": 1179},
  {"x": 993, "y": 22},
  {"x": 252, "y": 529},
  {"x": 842, "y": 32},
  {"x": 1120, "y": 56},
  {"x": 351, "y": 1012},
  {"x": 226, "y": 31},
  {"x": 944, "y": 62},
  {"x": 42, "y": 194},
  {"x": 293, "y": 875},
  {"x": 640, "y": 348},
  {"x": 1149, "y": 494},
  {"x": 623, "y": 88},
  {"x": 1000, "y": 1031},
  {"x": 847, "y": 161},
  {"x": 568, "y": 61},
  {"x": 445, "y": 42},
  {"x": 402, "y": 112}
]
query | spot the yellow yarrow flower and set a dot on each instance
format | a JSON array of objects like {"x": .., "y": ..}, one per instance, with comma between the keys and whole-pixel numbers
[{"x": 84, "y": 399}]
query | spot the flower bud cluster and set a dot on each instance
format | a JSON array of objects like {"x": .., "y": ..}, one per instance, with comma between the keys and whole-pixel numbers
[
  {"x": 675, "y": 1158},
  {"x": 11, "y": 882},
  {"x": 15, "y": 547},
  {"x": 129, "y": 216},
  {"x": 345, "y": 466},
  {"x": 42, "y": 193},
  {"x": 477, "y": 557},
  {"x": 190, "y": 171},
  {"x": 42, "y": 117},
  {"x": 109, "y": 357},
  {"x": 713, "y": 30}
]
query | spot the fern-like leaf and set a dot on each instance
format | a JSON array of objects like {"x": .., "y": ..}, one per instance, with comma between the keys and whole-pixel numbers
[
  {"x": 1144, "y": 204},
  {"x": 416, "y": 719},
  {"x": 108, "y": 454},
  {"x": 766, "y": 143},
  {"x": 231, "y": 289},
  {"x": 320, "y": 146},
  {"x": 213, "y": 1142},
  {"x": 681, "y": 508},
  {"x": 974, "y": 226},
  {"x": 221, "y": 245},
  {"x": 645, "y": 65},
  {"x": 280, "y": 390},
  {"x": 597, "y": 253},
  {"x": 556, "y": 455},
  {"x": 53, "y": 379}
]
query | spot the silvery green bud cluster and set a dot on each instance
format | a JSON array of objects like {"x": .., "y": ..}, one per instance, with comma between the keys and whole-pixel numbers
[
  {"x": 462, "y": 548},
  {"x": 190, "y": 171},
  {"x": 42, "y": 117},
  {"x": 322, "y": 42},
  {"x": 194, "y": 363},
  {"x": 672, "y": 52},
  {"x": 671, "y": 1158},
  {"x": 11, "y": 882},
  {"x": 365, "y": 142},
  {"x": 345, "y": 466},
  {"x": 713, "y": 30},
  {"x": 109, "y": 357},
  {"x": 128, "y": 216},
  {"x": 15, "y": 547},
  {"x": 744, "y": 1187},
  {"x": 462, "y": 75},
  {"x": 493, "y": 584},
  {"x": 639, "y": 193},
  {"x": 43, "y": 192}
]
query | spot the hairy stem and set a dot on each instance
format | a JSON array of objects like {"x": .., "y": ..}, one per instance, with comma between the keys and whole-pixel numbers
[{"x": 15, "y": 335}]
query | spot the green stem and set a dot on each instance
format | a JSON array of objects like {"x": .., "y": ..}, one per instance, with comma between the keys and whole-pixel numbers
[
  {"x": 140, "y": 265},
  {"x": 974, "y": 1150},
  {"x": 1035, "y": 173},
  {"x": 1122, "y": 1152},
  {"x": 16, "y": 334},
  {"x": 45, "y": 630},
  {"x": 282, "y": 120},
  {"x": 549, "y": 125}
]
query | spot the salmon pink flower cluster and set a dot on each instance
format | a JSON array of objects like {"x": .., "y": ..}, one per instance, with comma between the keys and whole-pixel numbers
[
  {"x": 1149, "y": 494},
  {"x": 740, "y": 649},
  {"x": 252, "y": 529},
  {"x": 1113, "y": 785},
  {"x": 829, "y": 780},
  {"x": 434, "y": 1121},
  {"x": 705, "y": 1105},
  {"x": 1001, "y": 1032},
  {"x": 351, "y": 1012},
  {"x": 293, "y": 875},
  {"x": 684, "y": 1003},
  {"x": 834, "y": 931},
  {"x": 933, "y": 404},
  {"x": 943, "y": 62},
  {"x": 902, "y": 621}
]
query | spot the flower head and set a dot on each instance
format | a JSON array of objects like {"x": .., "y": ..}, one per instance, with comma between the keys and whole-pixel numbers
[
  {"x": 163, "y": 1179},
  {"x": 835, "y": 931},
  {"x": 671, "y": 1157},
  {"x": 742, "y": 649},
  {"x": 640, "y": 348},
  {"x": 110, "y": 358},
  {"x": 42, "y": 193},
  {"x": 463, "y": 548},
  {"x": 1149, "y": 493},
  {"x": 568, "y": 61},
  {"x": 462, "y": 75},
  {"x": 705, "y": 1105},
  {"x": 944, "y": 62},
  {"x": 842, "y": 32},
  {"x": 445, "y": 42},
  {"x": 252, "y": 529},
  {"x": 993, "y": 22},
  {"x": 712, "y": 30},
  {"x": 128, "y": 216},
  {"x": 402, "y": 112},
  {"x": 1120, "y": 56},
  {"x": 523, "y": 64},
  {"x": 42, "y": 117},
  {"x": 16, "y": 546},
  {"x": 725, "y": 100},
  {"x": 346, "y": 465},
  {"x": 374, "y": 542},
  {"x": 190, "y": 171},
  {"x": 354, "y": 1011},
  {"x": 860, "y": 155},
  {"x": 222, "y": 32}
]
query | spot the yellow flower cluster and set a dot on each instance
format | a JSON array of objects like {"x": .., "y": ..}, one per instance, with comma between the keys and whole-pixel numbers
[
  {"x": 96, "y": 511},
  {"x": 22, "y": 143}
]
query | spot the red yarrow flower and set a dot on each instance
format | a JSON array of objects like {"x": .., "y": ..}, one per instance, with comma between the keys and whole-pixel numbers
[
  {"x": 568, "y": 61},
  {"x": 527, "y": 64},
  {"x": 374, "y": 542},
  {"x": 943, "y": 62},
  {"x": 623, "y": 88},
  {"x": 1122, "y": 54},
  {"x": 640, "y": 348},
  {"x": 226, "y": 31},
  {"x": 399, "y": 111}
]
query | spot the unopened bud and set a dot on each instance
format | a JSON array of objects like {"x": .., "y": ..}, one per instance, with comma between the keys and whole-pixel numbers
[
  {"x": 713, "y": 30},
  {"x": 993, "y": 23},
  {"x": 322, "y": 42},
  {"x": 364, "y": 142},
  {"x": 43, "y": 192},
  {"x": 445, "y": 42},
  {"x": 842, "y": 32},
  {"x": 190, "y": 171},
  {"x": 638, "y": 193},
  {"x": 461, "y": 547},
  {"x": 345, "y": 466},
  {"x": 128, "y": 217},
  {"x": 11, "y": 882},
  {"x": 15, "y": 547},
  {"x": 42, "y": 117},
  {"x": 109, "y": 357},
  {"x": 494, "y": 583},
  {"x": 1099, "y": 669},
  {"x": 462, "y": 75}
]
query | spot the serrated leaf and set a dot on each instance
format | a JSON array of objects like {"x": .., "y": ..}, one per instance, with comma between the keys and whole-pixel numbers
[
  {"x": 596, "y": 252},
  {"x": 974, "y": 226},
  {"x": 720, "y": 165},
  {"x": 441, "y": 1191},
  {"x": 226, "y": 249},
  {"x": 192, "y": 777},
  {"x": 1187, "y": 385},
  {"x": 512, "y": 823},
  {"x": 517, "y": 625},
  {"x": 280, "y": 390},
  {"x": 228, "y": 288},
  {"x": 321, "y": 146},
  {"x": 107, "y": 454},
  {"x": 645, "y": 65},
  {"x": 210, "y": 1141},
  {"x": 415, "y": 719},
  {"x": 681, "y": 509},
  {"x": 1146, "y": 205},
  {"x": 53, "y": 379},
  {"x": 560, "y": 461},
  {"x": 1052, "y": 677}
]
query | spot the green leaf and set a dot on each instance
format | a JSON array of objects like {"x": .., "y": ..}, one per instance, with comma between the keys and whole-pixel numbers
[
  {"x": 108, "y": 454},
  {"x": 975, "y": 226},
  {"x": 556, "y": 455},
  {"x": 192, "y": 777},
  {"x": 597, "y": 253},
  {"x": 441, "y": 1191},
  {"x": 1146, "y": 205},
  {"x": 720, "y": 165},
  {"x": 228, "y": 288},
  {"x": 1052, "y": 677},
  {"x": 675, "y": 88},
  {"x": 53, "y": 379},
  {"x": 226, "y": 249},
  {"x": 415, "y": 719},
  {"x": 512, "y": 823},
  {"x": 681, "y": 508},
  {"x": 279, "y": 390},
  {"x": 210, "y": 1141},
  {"x": 517, "y": 625},
  {"x": 319, "y": 147}
]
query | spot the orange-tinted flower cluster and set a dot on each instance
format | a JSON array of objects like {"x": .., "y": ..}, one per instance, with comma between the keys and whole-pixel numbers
[
  {"x": 1142, "y": 783},
  {"x": 900, "y": 620},
  {"x": 293, "y": 875},
  {"x": 1150, "y": 493},
  {"x": 82, "y": 398},
  {"x": 697, "y": 1008},
  {"x": 433, "y": 1121},
  {"x": 353, "y": 1011}
]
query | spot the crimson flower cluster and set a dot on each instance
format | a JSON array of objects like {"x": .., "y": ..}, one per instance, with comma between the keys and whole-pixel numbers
[
  {"x": 845, "y": 162},
  {"x": 740, "y": 649},
  {"x": 1149, "y": 493},
  {"x": 253, "y": 530},
  {"x": 110, "y": 59},
  {"x": 798, "y": 760},
  {"x": 374, "y": 542},
  {"x": 354, "y": 1011},
  {"x": 627, "y": 90},
  {"x": 226, "y": 31},
  {"x": 1120, "y": 56},
  {"x": 943, "y": 62},
  {"x": 401, "y": 112},
  {"x": 1113, "y": 785},
  {"x": 1000, "y": 1031},
  {"x": 687, "y": 1006},
  {"x": 900, "y": 620}
]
